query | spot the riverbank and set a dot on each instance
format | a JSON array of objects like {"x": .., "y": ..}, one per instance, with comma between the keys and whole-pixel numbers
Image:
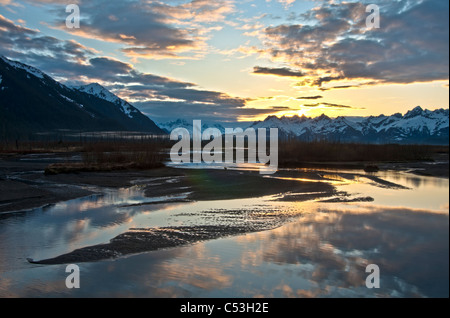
[{"x": 24, "y": 185}]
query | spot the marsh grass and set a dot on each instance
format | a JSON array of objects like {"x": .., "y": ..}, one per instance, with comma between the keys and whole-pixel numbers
[
  {"x": 95, "y": 155},
  {"x": 107, "y": 155},
  {"x": 297, "y": 152},
  {"x": 139, "y": 154}
]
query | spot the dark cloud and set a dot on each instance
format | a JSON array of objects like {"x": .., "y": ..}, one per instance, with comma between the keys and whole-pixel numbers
[
  {"x": 27, "y": 44},
  {"x": 329, "y": 105},
  {"x": 277, "y": 71},
  {"x": 280, "y": 108},
  {"x": 150, "y": 29},
  {"x": 411, "y": 45},
  {"x": 147, "y": 29},
  {"x": 310, "y": 97},
  {"x": 164, "y": 111},
  {"x": 340, "y": 87}
]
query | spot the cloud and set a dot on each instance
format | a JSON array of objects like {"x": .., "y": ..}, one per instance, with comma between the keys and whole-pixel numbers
[
  {"x": 221, "y": 111},
  {"x": 334, "y": 43},
  {"x": 145, "y": 29},
  {"x": 151, "y": 29},
  {"x": 310, "y": 97},
  {"x": 286, "y": 3},
  {"x": 280, "y": 108},
  {"x": 277, "y": 71},
  {"x": 329, "y": 105},
  {"x": 31, "y": 46}
]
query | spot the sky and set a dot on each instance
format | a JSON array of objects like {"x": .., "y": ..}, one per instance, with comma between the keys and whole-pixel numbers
[{"x": 230, "y": 60}]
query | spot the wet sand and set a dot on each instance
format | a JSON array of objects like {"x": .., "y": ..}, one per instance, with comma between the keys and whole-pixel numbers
[
  {"x": 140, "y": 240},
  {"x": 22, "y": 196},
  {"x": 146, "y": 240}
]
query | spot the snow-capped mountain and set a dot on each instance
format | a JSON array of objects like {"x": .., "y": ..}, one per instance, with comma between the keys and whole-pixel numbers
[
  {"x": 32, "y": 102},
  {"x": 189, "y": 125},
  {"x": 101, "y": 92},
  {"x": 29, "y": 69},
  {"x": 416, "y": 126}
]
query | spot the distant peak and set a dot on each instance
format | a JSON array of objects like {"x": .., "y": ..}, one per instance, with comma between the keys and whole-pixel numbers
[
  {"x": 272, "y": 117},
  {"x": 322, "y": 117},
  {"x": 180, "y": 121},
  {"x": 96, "y": 89},
  {"x": 94, "y": 85},
  {"x": 415, "y": 112}
]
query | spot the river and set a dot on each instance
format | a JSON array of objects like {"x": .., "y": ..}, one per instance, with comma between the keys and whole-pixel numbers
[{"x": 321, "y": 249}]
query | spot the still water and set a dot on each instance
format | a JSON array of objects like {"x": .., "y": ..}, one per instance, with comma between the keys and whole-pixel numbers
[{"x": 321, "y": 251}]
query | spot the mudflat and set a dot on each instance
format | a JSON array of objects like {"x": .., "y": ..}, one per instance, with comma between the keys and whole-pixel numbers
[{"x": 24, "y": 185}]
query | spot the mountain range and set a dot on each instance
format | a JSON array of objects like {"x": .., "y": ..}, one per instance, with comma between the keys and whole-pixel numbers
[
  {"x": 32, "y": 102},
  {"x": 417, "y": 126}
]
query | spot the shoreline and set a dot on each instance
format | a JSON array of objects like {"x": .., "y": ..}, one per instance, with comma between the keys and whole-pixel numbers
[
  {"x": 438, "y": 167},
  {"x": 24, "y": 186}
]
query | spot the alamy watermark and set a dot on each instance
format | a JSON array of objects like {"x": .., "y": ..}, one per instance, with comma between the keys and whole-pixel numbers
[
  {"x": 73, "y": 280},
  {"x": 373, "y": 280},
  {"x": 73, "y": 19},
  {"x": 373, "y": 20},
  {"x": 222, "y": 148}
]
